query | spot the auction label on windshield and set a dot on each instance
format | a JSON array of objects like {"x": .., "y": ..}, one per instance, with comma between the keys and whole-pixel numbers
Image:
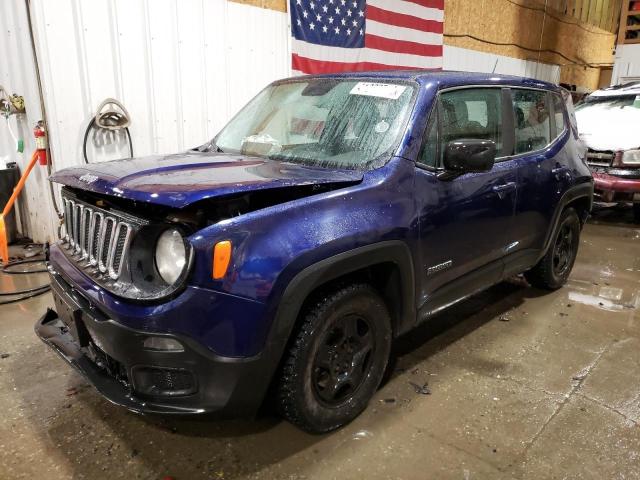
[{"x": 382, "y": 90}]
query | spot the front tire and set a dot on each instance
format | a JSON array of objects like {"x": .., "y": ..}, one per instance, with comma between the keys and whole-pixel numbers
[
  {"x": 336, "y": 361},
  {"x": 553, "y": 270}
]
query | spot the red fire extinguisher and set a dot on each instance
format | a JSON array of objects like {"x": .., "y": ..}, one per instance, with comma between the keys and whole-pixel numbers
[{"x": 41, "y": 142}]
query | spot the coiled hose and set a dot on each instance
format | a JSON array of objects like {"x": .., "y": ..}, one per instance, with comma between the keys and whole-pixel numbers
[{"x": 28, "y": 292}]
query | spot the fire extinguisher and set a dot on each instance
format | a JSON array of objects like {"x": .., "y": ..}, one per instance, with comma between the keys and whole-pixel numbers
[{"x": 41, "y": 142}]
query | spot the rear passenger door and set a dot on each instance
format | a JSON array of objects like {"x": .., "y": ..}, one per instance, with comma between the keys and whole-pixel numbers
[
  {"x": 540, "y": 133},
  {"x": 465, "y": 222}
]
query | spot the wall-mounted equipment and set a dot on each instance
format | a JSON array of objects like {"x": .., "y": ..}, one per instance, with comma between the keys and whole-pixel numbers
[
  {"x": 12, "y": 105},
  {"x": 110, "y": 119},
  {"x": 40, "y": 133}
]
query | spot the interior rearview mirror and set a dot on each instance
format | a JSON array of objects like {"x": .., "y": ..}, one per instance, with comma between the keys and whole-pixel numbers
[{"x": 469, "y": 155}]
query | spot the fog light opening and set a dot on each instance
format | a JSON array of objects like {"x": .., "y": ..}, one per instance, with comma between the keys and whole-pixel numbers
[{"x": 162, "y": 344}]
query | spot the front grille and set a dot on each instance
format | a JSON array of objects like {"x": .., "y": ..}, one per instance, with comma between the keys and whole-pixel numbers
[
  {"x": 97, "y": 238},
  {"x": 600, "y": 158}
]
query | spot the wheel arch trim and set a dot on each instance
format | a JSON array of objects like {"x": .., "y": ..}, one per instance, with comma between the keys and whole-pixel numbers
[
  {"x": 576, "y": 192},
  {"x": 331, "y": 268}
]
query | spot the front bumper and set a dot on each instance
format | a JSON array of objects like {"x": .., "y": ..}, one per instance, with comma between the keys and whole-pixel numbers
[
  {"x": 112, "y": 358},
  {"x": 611, "y": 188}
]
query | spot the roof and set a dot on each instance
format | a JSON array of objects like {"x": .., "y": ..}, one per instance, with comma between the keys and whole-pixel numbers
[
  {"x": 445, "y": 78},
  {"x": 632, "y": 88}
]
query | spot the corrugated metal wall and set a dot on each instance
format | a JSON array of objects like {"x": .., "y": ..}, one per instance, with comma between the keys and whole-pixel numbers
[
  {"x": 17, "y": 75},
  {"x": 456, "y": 58},
  {"x": 627, "y": 64},
  {"x": 182, "y": 68}
]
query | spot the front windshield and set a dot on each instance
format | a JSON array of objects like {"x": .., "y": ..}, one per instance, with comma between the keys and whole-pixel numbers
[
  {"x": 321, "y": 122},
  {"x": 611, "y": 102}
]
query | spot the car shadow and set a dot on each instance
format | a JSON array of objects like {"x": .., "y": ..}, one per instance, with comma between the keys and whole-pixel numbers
[
  {"x": 618, "y": 215},
  {"x": 456, "y": 322},
  {"x": 97, "y": 437}
]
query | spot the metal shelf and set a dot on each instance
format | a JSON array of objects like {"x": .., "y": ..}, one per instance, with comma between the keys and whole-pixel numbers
[{"x": 628, "y": 34}]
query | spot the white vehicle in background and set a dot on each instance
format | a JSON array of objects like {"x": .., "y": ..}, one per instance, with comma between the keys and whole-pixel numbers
[{"x": 609, "y": 125}]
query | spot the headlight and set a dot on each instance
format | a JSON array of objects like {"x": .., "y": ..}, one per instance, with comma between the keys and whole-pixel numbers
[
  {"x": 631, "y": 157},
  {"x": 171, "y": 255}
]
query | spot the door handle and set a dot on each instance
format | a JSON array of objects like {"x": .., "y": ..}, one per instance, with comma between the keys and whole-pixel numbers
[{"x": 503, "y": 189}]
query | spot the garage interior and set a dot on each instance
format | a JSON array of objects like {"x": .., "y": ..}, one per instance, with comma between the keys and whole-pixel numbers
[{"x": 512, "y": 382}]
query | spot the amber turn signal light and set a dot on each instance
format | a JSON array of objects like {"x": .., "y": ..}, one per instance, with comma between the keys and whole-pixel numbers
[{"x": 221, "y": 259}]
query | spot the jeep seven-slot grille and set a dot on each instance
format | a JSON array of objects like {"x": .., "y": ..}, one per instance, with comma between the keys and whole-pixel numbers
[{"x": 97, "y": 238}]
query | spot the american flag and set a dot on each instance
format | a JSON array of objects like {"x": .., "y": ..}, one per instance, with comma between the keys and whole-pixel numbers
[{"x": 350, "y": 35}]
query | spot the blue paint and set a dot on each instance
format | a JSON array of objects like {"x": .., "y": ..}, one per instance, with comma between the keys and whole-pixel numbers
[{"x": 462, "y": 220}]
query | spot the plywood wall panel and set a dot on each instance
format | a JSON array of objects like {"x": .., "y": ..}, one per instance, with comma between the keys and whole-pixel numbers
[
  {"x": 518, "y": 24},
  {"x": 278, "y": 5}
]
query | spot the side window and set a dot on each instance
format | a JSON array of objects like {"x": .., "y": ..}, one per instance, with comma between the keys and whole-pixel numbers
[
  {"x": 474, "y": 113},
  {"x": 429, "y": 154},
  {"x": 532, "y": 122},
  {"x": 558, "y": 112}
]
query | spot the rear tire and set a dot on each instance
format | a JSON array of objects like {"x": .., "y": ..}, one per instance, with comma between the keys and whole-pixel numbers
[
  {"x": 636, "y": 212},
  {"x": 336, "y": 360},
  {"x": 553, "y": 270}
]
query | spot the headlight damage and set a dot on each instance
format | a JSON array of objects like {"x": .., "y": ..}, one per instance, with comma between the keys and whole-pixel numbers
[{"x": 129, "y": 256}]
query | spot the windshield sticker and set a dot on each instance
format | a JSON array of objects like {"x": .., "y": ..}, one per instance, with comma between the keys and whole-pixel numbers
[{"x": 382, "y": 90}]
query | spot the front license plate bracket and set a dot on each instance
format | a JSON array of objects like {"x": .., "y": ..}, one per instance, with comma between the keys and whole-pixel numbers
[{"x": 71, "y": 316}]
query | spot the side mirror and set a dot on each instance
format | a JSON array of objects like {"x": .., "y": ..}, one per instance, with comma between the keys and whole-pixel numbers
[{"x": 469, "y": 155}]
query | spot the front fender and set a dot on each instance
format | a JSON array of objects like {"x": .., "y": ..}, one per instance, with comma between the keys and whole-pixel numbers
[
  {"x": 285, "y": 308},
  {"x": 270, "y": 246},
  {"x": 288, "y": 304}
]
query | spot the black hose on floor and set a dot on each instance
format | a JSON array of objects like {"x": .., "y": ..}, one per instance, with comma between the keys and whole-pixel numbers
[
  {"x": 34, "y": 293},
  {"x": 6, "y": 268},
  {"x": 27, "y": 292}
]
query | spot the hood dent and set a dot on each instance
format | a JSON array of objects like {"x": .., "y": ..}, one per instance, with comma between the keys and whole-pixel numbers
[{"x": 182, "y": 179}]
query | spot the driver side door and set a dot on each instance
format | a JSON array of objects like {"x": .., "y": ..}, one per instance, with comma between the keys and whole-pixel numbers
[{"x": 464, "y": 221}]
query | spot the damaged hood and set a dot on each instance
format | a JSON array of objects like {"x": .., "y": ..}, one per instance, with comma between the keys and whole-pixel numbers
[
  {"x": 605, "y": 128},
  {"x": 181, "y": 179}
]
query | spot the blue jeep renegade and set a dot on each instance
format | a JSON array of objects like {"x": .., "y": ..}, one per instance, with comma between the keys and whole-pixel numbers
[{"x": 331, "y": 215}]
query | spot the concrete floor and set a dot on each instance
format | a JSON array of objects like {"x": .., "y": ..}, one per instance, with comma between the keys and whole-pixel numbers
[{"x": 523, "y": 385}]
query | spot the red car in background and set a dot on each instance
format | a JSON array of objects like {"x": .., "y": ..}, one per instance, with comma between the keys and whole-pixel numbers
[{"x": 609, "y": 125}]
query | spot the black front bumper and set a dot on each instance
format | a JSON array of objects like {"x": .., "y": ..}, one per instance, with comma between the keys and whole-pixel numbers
[{"x": 112, "y": 358}]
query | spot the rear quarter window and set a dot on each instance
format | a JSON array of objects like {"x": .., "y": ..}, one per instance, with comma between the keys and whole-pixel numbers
[{"x": 532, "y": 120}]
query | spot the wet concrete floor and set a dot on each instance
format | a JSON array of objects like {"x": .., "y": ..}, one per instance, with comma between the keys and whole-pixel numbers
[{"x": 524, "y": 384}]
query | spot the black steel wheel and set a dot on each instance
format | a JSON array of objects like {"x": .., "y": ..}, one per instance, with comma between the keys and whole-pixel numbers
[
  {"x": 336, "y": 360},
  {"x": 343, "y": 359},
  {"x": 553, "y": 270},
  {"x": 563, "y": 250}
]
